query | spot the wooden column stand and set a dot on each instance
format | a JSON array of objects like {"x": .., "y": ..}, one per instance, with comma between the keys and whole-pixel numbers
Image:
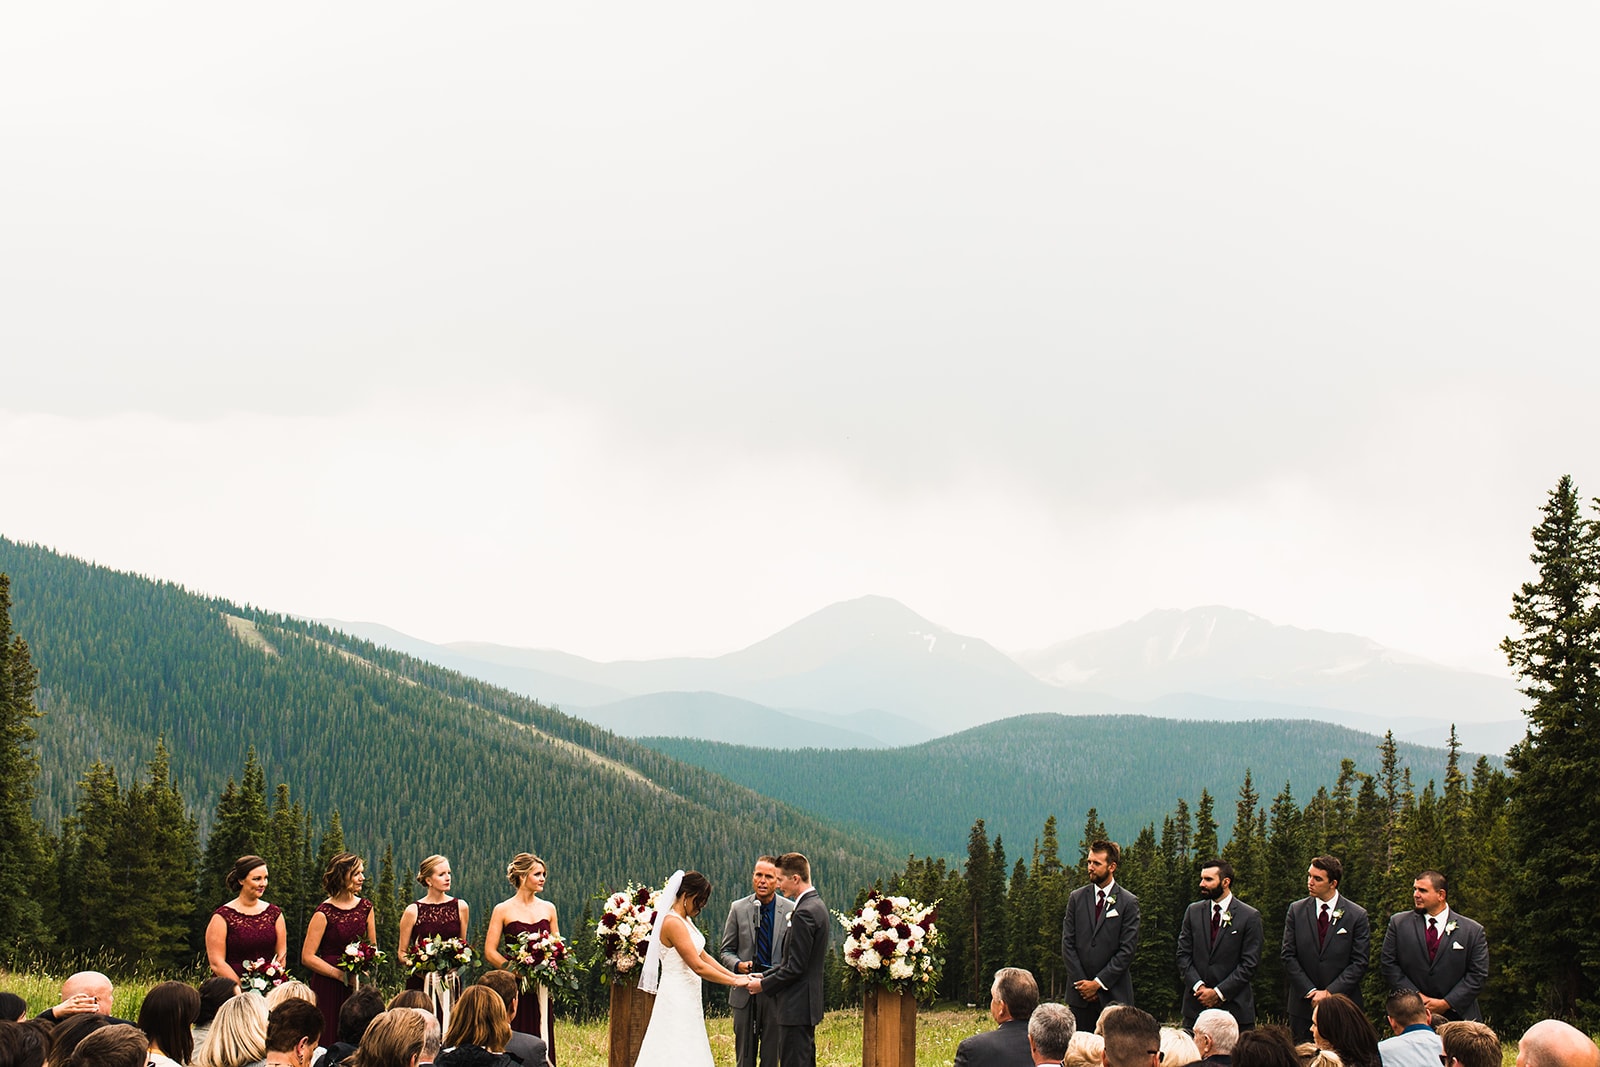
[
  {"x": 630, "y": 1017},
  {"x": 889, "y": 1029}
]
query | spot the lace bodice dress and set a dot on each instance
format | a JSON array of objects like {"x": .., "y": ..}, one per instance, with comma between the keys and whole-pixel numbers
[
  {"x": 676, "y": 1036},
  {"x": 344, "y": 926},
  {"x": 433, "y": 920},
  {"x": 250, "y": 937},
  {"x": 533, "y": 1007}
]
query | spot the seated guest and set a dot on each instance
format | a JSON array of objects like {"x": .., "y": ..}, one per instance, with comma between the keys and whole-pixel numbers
[
  {"x": 166, "y": 1016},
  {"x": 1215, "y": 1033},
  {"x": 411, "y": 998},
  {"x": 362, "y": 1006},
  {"x": 1312, "y": 1056},
  {"x": 1050, "y": 1030},
  {"x": 238, "y": 1035},
  {"x": 116, "y": 1045},
  {"x": 24, "y": 1044},
  {"x": 1265, "y": 1047},
  {"x": 214, "y": 993},
  {"x": 479, "y": 1031},
  {"x": 293, "y": 1029},
  {"x": 1012, "y": 997},
  {"x": 1133, "y": 1037},
  {"x": 1469, "y": 1044},
  {"x": 1552, "y": 1043},
  {"x": 1178, "y": 1049},
  {"x": 394, "y": 1039},
  {"x": 1099, "y": 1024},
  {"x": 67, "y": 1033},
  {"x": 290, "y": 991},
  {"x": 86, "y": 991},
  {"x": 1084, "y": 1050},
  {"x": 1414, "y": 1043},
  {"x": 1338, "y": 1025},
  {"x": 13, "y": 1009},
  {"x": 528, "y": 1048},
  {"x": 432, "y": 1039}
]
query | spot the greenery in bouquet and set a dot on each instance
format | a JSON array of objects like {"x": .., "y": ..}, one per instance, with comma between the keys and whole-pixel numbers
[
  {"x": 439, "y": 954},
  {"x": 894, "y": 942},
  {"x": 623, "y": 931},
  {"x": 360, "y": 957},
  {"x": 261, "y": 976},
  {"x": 543, "y": 959}
]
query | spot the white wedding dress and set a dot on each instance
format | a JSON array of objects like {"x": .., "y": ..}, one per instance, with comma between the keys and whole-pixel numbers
[{"x": 676, "y": 1036}]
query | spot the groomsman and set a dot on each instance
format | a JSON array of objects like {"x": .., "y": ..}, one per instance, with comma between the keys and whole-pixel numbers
[
  {"x": 1436, "y": 951},
  {"x": 752, "y": 940},
  {"x": 1327, "y": 944},
  {"x": 1099, "y": 934},
  {"x": 1219, "y": 945}
]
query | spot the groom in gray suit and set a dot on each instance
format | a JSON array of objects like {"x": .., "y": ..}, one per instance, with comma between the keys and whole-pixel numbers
[
  {"x": 1099, "y": 934},
  {"x": 1327, "y": 944},
  {"x": 752, "y": 941},
  {"x": 1219, "y": 945},
  {"x": 1437, "y": 951},
  {"x": 796, "y": 985}
]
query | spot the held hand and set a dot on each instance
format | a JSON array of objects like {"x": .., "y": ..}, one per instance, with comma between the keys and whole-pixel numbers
[
  {"x": 79, "y": 1004},
  {"x": 754, "y": 985},
  {"x": 1208, "y": 996},
  {"x": 1088, "y": 989},
  {"x": 1318, "y": 996},
  {"x": 1436, "y": 1005}
]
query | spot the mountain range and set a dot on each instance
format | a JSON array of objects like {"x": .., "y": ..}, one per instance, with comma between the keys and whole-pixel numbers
[{"x": 871, "y": 672}]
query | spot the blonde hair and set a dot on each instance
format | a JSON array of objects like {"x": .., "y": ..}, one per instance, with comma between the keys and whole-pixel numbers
[
  {"x": 238, "y": 1033},
  {"x": 392, "y": 1039},
  {"x": 522, "y": 865},
  {"x": 1177, "y": 1048},
  {"x": 289, "y": 991},
  {"x": 429, "y": 865},
  {"x": 1084, "y": 1050}
]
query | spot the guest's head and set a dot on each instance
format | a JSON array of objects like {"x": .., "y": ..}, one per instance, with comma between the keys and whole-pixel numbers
[
  {"x": 1405, "y": 1008},
  {"x": 432, "y": 1039},
  {"x": 362, "y": 1006},
  {"x": 166, "y": 1016},
  {"x": 214, "y": 993},
  {"x": 1552, "y": 1043},
  {"x": 1338, "y": 1025},
  {"x": 1178, "y": 1049},
  {"x": 91, "y": 984},
  {"x": 290, "y": 991},
  {"x": 1264, "y": 1047},
  {"x": 1133, "y": 1038},
  {"x": 68, "y": 1032},
  {"x": 1050, "y": 1030},
  {"x": 694, "y": 891},
  {"x": 117, "y": 1045},
  {"x": 1312, "y": 1056},
  {"x": 393, "y": 1040},
  {"x": 411, "y": 998},
  {"x": 523, "y": 866},
  {"x": 1100, "y": 1023},
  {"x": 1013, "y": 995},
  {"x": 13, "y": 1009},
  {"x": 504, "y": 984},
  {"x": 1469, "y": 1044},
  {"x": 293, "y": 1028},
  {"x": 1215, "y": 1033},
  {"x": 248, "y": 870},
  {"x": 24, "y": 1044},
  {"x": 479, "y": 1018},
  {"x": 1084, "y": 1050},
  {"x": 238, "y": 1033},
  {"x": 345, "y": 874}
]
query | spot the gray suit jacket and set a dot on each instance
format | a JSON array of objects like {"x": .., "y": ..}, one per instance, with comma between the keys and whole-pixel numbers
[
  {"x": 1454, "y": 975},
  {"x": 1004, "y": 1046},
  {"x": 1226, "y": 966},
  {"x": 1102, "y": 951},
  {"x": 796, "y": 984},
  {"x": 1336, "y": 965},
  {"x": 527, "y": 1048},
  {"x": 739, "y": 937}
]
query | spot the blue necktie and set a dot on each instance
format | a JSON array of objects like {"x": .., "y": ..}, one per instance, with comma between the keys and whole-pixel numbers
[{"x": 764, "y": 936}]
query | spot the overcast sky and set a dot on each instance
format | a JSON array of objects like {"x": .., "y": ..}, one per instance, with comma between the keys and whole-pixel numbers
[{"x": 647, "y": 329}]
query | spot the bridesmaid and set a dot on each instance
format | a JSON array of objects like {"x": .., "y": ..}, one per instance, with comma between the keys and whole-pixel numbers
[
  {"x": 246, "y": 928},
  {"x": 344, "y": 917},
  {"x": 437, "y": 914},
  {"x": 525, "y": 913}
]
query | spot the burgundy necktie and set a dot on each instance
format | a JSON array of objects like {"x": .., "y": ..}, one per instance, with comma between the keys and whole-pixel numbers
[
  {"x": 1216, "y": 921},
  {"x": 1433, "y": 937},
  {"x": 1322, "y": 926},
  {"x": 1099, "y": 904}
]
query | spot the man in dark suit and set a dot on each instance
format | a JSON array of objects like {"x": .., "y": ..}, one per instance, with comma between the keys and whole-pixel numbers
[
  {"x": 1098, "y": 936},
  {"x": 1436, "y": 951},
  {"x": 752, "y": 942},
  {"x": 1219, "y": 945},
  {"x": 1215, "y": 1033},
  {"x": 1327, "y": 944},
  {"x": 1012, "y": 997},
  {"x": 797, "y": 983}
]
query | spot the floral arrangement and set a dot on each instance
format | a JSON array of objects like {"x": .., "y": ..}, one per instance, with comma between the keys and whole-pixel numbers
[
  {"x": 359, "y": 957},
  {"x": 260, "y": 976},
  {"x": 540, "y": 958},
  {"x": 439, "y": 954},
  {"x": 623, "y": 930},
  {"x": 891, "y": 942}
]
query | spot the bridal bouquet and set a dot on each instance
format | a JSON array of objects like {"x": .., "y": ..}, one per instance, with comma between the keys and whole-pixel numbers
[
  {"x": 260, "y": 976},
  {"x": 359, "y": 957},
  {"x": 439, "y": 954},
  {"x": 891, "y": 942},
  {"x": 542, "y": 959},
  {"x": 623, "y": 930}
]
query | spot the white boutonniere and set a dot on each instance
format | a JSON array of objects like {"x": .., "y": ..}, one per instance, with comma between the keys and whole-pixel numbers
[
  {"x": 1450, "y": 927},
  {"x": 1111, "y": 901},
  {"x": 1338, "y": 913},
  {"x": 1227, "y": 918}
]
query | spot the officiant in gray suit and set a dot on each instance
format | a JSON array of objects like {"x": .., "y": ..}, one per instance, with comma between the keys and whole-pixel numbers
[
  {"x": 752, "y": 942},
  {"x": 1327, "y": 944},
  {"x": 1436, "y": 951},
  {"x": 1099, "y": 934}
]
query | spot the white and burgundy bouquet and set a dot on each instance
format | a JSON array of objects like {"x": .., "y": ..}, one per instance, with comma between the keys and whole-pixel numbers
[
  {"x": 623, "y": 931},
  {"x": 439, "y": 955},
  {"x": 261, "y": 976},
  {"x": 543, "y": 959},
  {"x": 359, "y": 957},
  {"x": 891, "y": 942}
]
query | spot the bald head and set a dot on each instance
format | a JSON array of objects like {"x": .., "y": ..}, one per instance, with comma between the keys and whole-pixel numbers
[
  {"x": 1552, "y": 1043},
  {"x": 91, "y": 984}
]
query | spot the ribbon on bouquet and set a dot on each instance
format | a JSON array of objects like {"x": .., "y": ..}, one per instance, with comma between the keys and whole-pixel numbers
[
  {"x": 544, "y": 1021},
  {"x": 443, "y": 989}
]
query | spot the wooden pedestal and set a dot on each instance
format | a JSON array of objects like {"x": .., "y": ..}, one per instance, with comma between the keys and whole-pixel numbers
[
  {"x": 889, "y": 1029},
  {"x": 630, "y": 1016}
]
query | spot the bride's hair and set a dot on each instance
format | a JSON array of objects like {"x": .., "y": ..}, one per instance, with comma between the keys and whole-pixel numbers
[
  {"x": 522, "y": 865},
  {"x": 696, "y": 890}
]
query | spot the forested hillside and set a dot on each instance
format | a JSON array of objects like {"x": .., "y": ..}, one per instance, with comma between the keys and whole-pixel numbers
[
  {"x": 410, "y": 755},
  {"x": 1017, "y": 772}
]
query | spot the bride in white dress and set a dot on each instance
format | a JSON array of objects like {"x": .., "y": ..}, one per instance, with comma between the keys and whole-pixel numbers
[{"x": 673, "y": 966}]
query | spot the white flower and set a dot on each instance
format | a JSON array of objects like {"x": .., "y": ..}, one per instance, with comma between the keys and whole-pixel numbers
[
  {"x": 870, "y": 960},
  {"x": 900, "y": 969}
]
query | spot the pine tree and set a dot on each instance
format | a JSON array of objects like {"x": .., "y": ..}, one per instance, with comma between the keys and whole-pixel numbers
[
  {"x": 153, "y": 857},
  {"x": 21, "y": 839},
  {"x": 1245, "y": 845},
  {"x": 97, "y": 820},
  {"x": 1555, "y": 812},
  {"x": 980, "y": 906}
]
